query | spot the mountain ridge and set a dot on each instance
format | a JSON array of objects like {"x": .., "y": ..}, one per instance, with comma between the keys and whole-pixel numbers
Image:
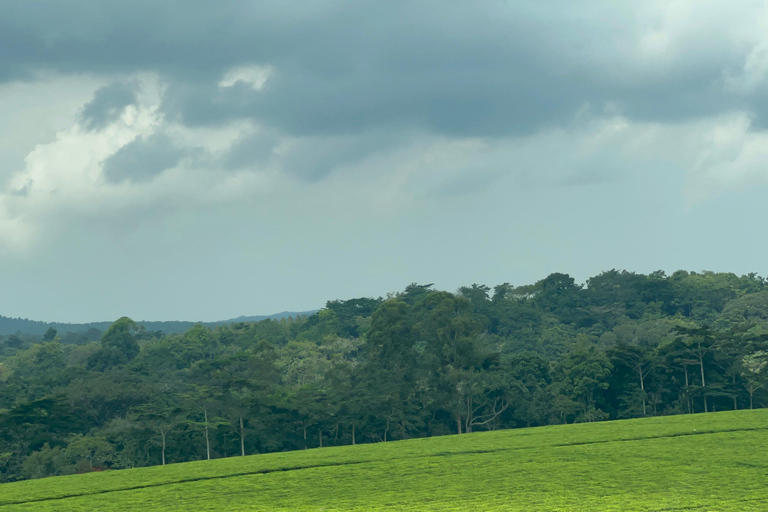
[{"x": 10, "y": 325}]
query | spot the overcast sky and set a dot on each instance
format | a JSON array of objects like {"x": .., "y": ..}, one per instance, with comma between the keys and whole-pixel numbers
[{"x": 201, "y": 160}]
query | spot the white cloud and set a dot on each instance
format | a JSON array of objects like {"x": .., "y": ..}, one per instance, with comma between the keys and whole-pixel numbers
[
  {"x": 753, "y": 73},
  {"x": 253, "y": 76},
  {"x": 731, "y": 156},
  {"x": 62, "y": 180}
]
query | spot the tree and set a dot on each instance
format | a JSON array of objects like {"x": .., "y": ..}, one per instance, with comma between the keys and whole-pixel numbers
[
  {"x": 247, "y": 381},
  {"x": 161, "y": 415},
  {"x": 47, "y": 461},
  {"x": 391, "y": 369},
  {"x": 90, "y": 452},
  {"x": 580, "y": 377},
  {"x": 558, "y": 294},
  {"x": 531, "y": 371},
  {"x": 637, "y": 359},
  {"x": 119, "y": 345},
  {"x": 696, "y": 344},
  {"x": 753, "y": 366},
  {"x": 203, "y": 398},
  {"x": 50, "y": 334}
]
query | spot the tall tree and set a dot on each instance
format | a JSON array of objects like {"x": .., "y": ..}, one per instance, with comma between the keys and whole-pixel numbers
[{"x": 639, "y": 360}]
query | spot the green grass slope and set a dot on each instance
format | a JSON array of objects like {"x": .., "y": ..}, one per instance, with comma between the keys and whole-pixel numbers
[{"x": 705, "y": 462}]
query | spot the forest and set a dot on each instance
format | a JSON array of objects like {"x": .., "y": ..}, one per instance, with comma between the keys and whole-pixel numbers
[{"x": 417, "y": 363}]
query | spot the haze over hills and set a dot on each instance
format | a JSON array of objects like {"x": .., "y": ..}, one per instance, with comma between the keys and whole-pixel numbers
[{"x": 35, "y": 327}]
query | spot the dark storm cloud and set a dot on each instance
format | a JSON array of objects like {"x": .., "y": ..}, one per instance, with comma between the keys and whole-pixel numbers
[
  {"x": 108, "y": 104},
  {"x": 143, "y": 159},
  {"x": 480, "y": 69}
]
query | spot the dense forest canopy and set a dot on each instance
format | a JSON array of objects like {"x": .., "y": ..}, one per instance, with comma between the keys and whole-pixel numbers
[{"x": 419, "y": 363}]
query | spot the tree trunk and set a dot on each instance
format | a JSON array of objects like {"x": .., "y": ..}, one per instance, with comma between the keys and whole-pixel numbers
[
  {"x": 242, "y": 438},
  {"x": 207, "y": 439},
  {"x": 642, "y": 387},
  {"x": 458, "y": 424},
  {"x": 468, "y": 420},
  {"x": 305, "y": 438},
  {"x": 703, "y": 381},
  {"x": 320, "y": 436},
  {"x": 163, "y": 434},
  {"x": 353, "y": 433},
  {"x": 687, "y": 395}
]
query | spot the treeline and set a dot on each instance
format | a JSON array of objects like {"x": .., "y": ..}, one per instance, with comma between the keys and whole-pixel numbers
[
  {"x": 418, "y": 363},
  {"x": 21, "y": 326}
]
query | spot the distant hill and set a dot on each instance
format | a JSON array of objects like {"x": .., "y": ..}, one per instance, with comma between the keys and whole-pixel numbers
[{"x": 35, "y": 327}]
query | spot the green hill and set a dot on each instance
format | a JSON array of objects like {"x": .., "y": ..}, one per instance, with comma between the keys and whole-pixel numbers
[
  {"x": 699, "y": 462},
  {"x": 10, "y": 326}
]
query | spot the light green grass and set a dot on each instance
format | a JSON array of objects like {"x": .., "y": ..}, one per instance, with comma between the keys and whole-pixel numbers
[{"x": 705, "y": 462}]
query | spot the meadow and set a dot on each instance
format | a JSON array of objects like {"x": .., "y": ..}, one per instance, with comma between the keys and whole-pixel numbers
[{"x": 702, "y": 462}]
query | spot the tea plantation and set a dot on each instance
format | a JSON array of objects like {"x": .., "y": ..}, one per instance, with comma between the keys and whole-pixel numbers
[{"x": 705, "y": 462}]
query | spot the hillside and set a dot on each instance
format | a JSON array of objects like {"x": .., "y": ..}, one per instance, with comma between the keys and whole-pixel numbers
[
  {"x": 35, "y": 327},
  {"x": 422, "y": 363},
  {"x": 697, "y": 462}
]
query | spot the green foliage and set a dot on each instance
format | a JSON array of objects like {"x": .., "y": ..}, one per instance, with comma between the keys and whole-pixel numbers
[
  {"x": 119, "y": 345},
  {"x": 422, "y": 363},
  {"x": 50, "y": 334},
  {"x": 634, "y": 465},
  {"x": 46, "y": 462}
]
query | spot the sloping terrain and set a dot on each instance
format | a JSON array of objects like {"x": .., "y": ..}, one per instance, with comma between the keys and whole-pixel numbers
[{"x": 713, "y": 461}]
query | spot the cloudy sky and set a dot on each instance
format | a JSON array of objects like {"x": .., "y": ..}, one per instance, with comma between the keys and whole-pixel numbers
[{"x": 200, "y": 160}]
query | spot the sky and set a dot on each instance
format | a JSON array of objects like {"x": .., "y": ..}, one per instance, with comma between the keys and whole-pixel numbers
[{"x": 197, "y": 160}]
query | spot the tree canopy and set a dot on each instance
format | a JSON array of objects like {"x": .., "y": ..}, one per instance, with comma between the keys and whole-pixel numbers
[{"x": 421, "y": 362}]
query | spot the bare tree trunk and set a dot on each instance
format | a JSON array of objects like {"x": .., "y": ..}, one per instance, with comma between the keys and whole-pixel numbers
[
  {"x": 703, "y": 381},
  {"x": 642, "y": 387},
  {"x": 163, "y": 434},
  {"x": 242, "y": 437},
  {"x": 468, "y": 420},
  {"x": 458, "y": 424},
  {"x": 305, "y": 437},
  {"x": 320, "y": 435},
  {"x": 687, "y": 395},
  {"x": 353, "y": 433},
  {"x": 207, "y": 439}
]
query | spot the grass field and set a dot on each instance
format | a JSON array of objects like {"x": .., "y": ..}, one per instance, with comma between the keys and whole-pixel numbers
[{"x": 704, "y": 462}]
